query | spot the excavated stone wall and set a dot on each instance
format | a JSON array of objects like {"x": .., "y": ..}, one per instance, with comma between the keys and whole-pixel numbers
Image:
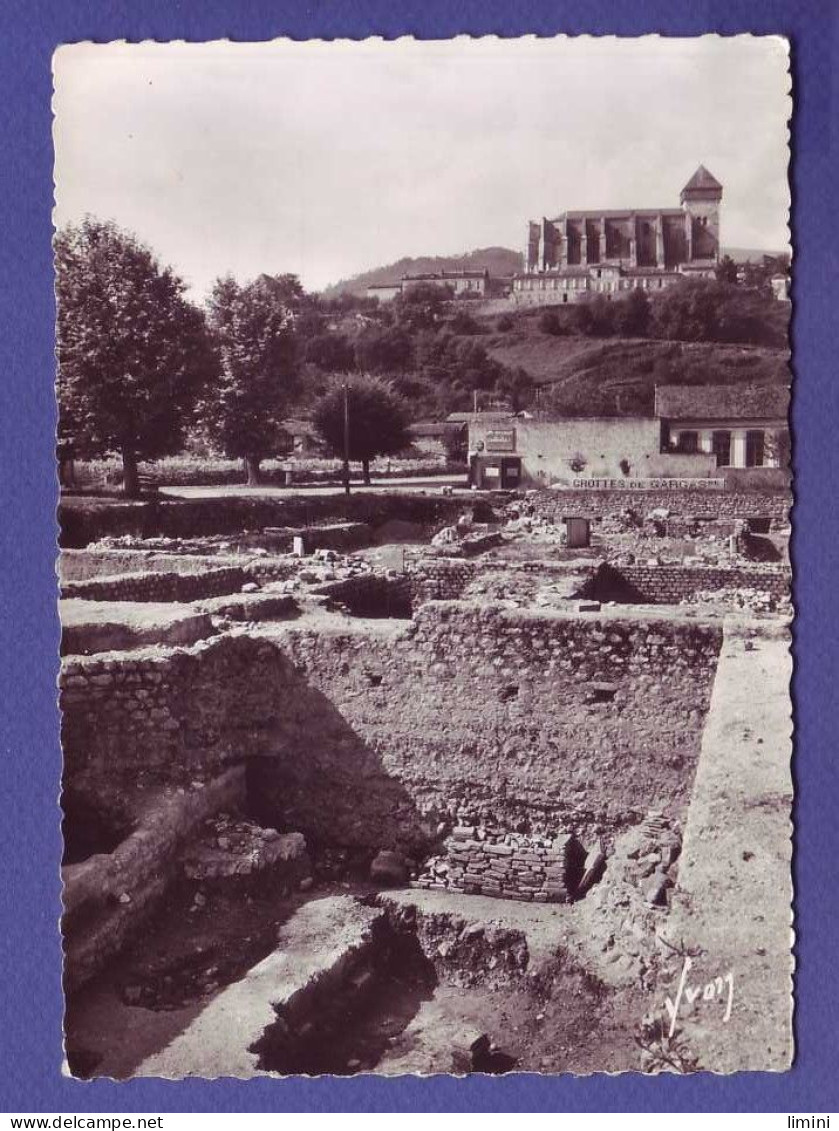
[
  {"x": 668, "y": 585},
  {"x": 85, "y": 520},
  {"x": 554, "y": 505},
  {"x": 519, "y": 719},
  {"x": 181, "y": 587},
  {"x": 544, "y": 869},
  {"x": 108, "y": 897}
]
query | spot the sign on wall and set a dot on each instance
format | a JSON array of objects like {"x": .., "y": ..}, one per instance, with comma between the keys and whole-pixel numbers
[
  {"x": 501, "y": 440},
  {"x": 650, "y": 484}
]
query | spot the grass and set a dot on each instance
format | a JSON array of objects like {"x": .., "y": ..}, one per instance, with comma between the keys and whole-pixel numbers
[{"x": 583, "y": 376}]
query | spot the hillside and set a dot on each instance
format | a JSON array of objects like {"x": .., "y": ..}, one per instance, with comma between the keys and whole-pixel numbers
[
  {"x": 751, "y": 254},
  {"x": 498, "y": 261},
  {"x": 589, "y": 376}
]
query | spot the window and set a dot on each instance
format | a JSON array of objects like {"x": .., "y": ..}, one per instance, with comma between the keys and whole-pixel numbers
[
  {"x": 688, "y": 443},
  {"x": 755, "y": 444},
  {"x": 721, "y": 447}
]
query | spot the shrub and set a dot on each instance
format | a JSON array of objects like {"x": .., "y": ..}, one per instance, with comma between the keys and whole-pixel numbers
[{"x": 550, "y": 323}]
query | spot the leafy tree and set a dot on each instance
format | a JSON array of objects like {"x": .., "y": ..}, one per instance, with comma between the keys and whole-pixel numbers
[
  {"x": 517, "y": 386},
  {"x": 462, "y": 322},
  {"x": 550, "y": 322},
  {"x": 383, "y": 350},
  {"x": 633, "y": 314},
  {"x": 422, "y": 306},
  {"x": 331, "y": 353},
  {"x": 378, "y": 420},
  {"x": 456, "y": 445},
  {"x": 708, "y": 311},
  {"x": 132, "y": 352},
  {"x": 253, "y": 328},
  {"x": 726, "y": 271},
  {"x": 596, "y": 318}
]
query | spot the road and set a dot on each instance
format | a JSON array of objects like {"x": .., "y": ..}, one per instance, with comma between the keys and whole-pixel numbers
[{"x": 378, "y": 486}]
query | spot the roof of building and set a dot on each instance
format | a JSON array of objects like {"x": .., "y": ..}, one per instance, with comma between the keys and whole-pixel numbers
[
  {"x": 479, "y": 273},
  {"x": 702, "y": 179},
  {"x": 722, "y": 402},
  {"x": 384, "y": 286},
  {"x": 471, "y": 417},
  {"x": 433, "y": 428},
  {"x": 615, "y": 214}
]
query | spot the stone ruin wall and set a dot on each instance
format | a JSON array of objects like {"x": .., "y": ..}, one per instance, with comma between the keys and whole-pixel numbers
[
  {"x": 553, "y": 505},
  {"x": 451, "y": 579},
  {"x": 467, "y": 714},
  {"x": 663, "y": 585},
  {"x": 82, "y": 523},
  {"x": 156, "y": 586}
]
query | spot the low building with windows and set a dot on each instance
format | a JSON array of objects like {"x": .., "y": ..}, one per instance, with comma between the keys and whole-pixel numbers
[
  {"x": 462, "y": 284},
  {"x": 733, "y": 435},
  {"x": 742, "y": 426},
  {"x": 384, "y": 292}
]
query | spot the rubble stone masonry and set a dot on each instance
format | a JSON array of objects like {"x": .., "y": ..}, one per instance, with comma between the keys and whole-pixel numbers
[
  {"x": 370, "y": 739},
  {"x": 553, "y": 505},
  {"x": 158, "y": 586}
]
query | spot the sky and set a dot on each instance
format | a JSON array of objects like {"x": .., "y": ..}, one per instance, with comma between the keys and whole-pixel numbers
[{"x": 327, "y": 159}]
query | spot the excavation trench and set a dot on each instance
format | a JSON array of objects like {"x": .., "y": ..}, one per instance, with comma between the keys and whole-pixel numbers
[
  {"x": 344, "y": 1024},
  {"x": 379, "y": 983}
]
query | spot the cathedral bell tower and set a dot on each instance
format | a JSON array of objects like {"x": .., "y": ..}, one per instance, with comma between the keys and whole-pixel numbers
[{"x": 700, "y": 200}]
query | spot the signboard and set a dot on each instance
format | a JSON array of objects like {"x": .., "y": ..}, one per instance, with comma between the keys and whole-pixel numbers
[
  {"x": 648, "y": 484},
  {"x": 501, "y": 440}
]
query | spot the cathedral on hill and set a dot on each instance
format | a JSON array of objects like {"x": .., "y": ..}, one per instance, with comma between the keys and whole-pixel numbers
[{"x": 578, "y": 254}]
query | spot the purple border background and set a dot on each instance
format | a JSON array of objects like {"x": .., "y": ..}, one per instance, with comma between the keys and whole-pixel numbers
[{"x": 30, "y": 1028}]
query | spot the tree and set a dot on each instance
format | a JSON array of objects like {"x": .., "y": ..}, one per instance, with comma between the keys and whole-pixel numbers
[
  {"x": 726, "y": 270},
  {"x": 383, "y": 350},
  {"x": 550, "y": 322},
  {"x": 331, "y": 353},
  {"x": 422, "y": 306},
  {"x": 633, "y": 314},
  {"x": 253, "y": 328},
  {"x": 133, "y": 354},
  {"x": 517, "y": 386},
  {"x": 378, "y": 420}
]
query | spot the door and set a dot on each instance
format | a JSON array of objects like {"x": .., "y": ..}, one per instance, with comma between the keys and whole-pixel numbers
[
  {"x": 510, "y": 473},
  {"x": 721, "y": 443}
]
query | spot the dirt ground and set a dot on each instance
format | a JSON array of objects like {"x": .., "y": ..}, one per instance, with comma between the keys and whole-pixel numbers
[
  {"x": 555, "y": 1018},
  {"x": 153, "y": 990}
]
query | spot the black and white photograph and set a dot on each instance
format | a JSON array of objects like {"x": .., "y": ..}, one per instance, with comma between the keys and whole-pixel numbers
[{"x": 425, "y": 588}]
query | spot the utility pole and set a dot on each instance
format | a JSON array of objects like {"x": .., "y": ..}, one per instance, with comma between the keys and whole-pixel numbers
[{"x": 346, "y": 438}]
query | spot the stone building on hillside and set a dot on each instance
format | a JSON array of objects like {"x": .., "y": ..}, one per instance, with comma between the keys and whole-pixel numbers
[
  {"x": 462, "y": 284},
  {"x": 580, "y": 254}
]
